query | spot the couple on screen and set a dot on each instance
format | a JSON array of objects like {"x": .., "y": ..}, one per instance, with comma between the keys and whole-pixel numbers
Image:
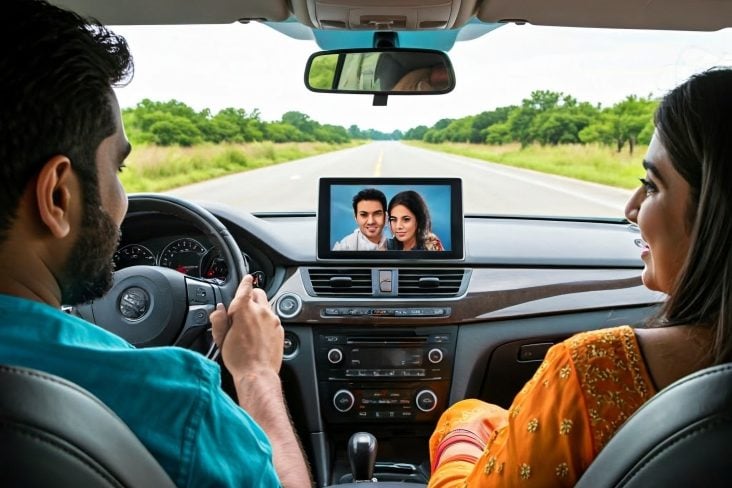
[{"x": 409, "y": 223}]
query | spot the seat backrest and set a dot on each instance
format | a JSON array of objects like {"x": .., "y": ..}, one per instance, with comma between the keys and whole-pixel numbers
[
  {"x": 681, "y": 437},
  {"x": 54, "y": 433}
]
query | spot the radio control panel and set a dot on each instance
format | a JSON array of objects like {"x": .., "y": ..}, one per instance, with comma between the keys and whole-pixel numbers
[{"x": 382, "y": 374}]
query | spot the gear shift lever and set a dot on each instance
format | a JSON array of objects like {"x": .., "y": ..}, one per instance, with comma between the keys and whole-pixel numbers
[{"x": 362, "y": 456}]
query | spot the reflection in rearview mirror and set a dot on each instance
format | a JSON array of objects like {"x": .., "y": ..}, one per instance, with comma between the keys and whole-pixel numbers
[{"x": 380, "y": 71}]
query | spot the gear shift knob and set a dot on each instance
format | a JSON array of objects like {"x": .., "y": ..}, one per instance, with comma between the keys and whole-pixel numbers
[{"x": 362, "y": 455}]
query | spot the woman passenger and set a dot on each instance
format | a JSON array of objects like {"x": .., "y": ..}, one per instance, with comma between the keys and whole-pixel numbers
[
  {"x": 591, "y": 383},
  {"x": 410, "y": 224}
]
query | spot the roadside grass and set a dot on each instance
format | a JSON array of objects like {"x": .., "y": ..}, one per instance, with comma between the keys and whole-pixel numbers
[
  {"x": 589, "y": 162},
  {"x": 157, "y": 168}
]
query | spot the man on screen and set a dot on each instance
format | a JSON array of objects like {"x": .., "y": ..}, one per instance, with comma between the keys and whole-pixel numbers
[{"x": 369, "y": 210}]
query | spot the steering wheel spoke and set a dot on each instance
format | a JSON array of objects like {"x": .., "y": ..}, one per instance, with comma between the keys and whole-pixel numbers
[{"x": 202, "y": 299}]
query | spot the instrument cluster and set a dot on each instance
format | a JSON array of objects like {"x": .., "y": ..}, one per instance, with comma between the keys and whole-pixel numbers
[{"x": 193, "y": 257}]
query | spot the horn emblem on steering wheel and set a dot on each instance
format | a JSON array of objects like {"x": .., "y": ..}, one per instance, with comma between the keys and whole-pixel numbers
[{"x": 134, "y": 303}]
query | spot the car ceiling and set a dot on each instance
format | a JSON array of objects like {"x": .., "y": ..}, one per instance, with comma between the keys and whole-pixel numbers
[{"x": 422, "y": 23}]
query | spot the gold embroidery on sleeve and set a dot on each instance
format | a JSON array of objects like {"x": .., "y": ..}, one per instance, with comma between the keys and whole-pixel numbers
[
  {"x": 515, "y": 411},
  {"x": 525, "y": 471},
  {"x": 608, "y": 366},
  {"x": 565, "y": 427},
  {"x": 533, "y": 425},
  {"x": 562, "y": 470},
  {"x": 490, "y": 465},
  {"x": 564, "y": 372},
  {"x": 594, "y": 416}
]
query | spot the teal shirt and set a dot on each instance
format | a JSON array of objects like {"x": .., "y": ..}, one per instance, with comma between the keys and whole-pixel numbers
[{"x": 170, "y": 397}]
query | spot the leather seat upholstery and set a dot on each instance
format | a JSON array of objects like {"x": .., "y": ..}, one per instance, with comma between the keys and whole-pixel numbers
[
  {"x": 54, "y": 433},
  {"x": 681, "y": 437}
]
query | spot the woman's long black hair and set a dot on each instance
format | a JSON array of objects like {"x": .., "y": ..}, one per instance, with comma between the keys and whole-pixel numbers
[{"x": 694, "y": 124}]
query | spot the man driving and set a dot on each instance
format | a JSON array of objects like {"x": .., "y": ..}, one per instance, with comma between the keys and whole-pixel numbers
[{"x": 62, "y": 146}]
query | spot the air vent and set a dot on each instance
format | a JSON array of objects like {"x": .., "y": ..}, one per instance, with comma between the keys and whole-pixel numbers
[
  {"x": 430, "y": 282},
  {"x": 341, "y": 282}
]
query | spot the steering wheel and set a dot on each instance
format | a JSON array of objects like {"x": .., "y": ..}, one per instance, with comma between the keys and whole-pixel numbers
[{"x": 157, "y": 306}]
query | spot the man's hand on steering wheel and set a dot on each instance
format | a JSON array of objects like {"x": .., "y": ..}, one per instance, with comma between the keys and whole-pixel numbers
[{"x": 249, "y": 335}]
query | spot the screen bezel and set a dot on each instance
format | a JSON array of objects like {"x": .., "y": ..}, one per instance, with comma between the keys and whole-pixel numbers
[{"x": 324, "y": 250}]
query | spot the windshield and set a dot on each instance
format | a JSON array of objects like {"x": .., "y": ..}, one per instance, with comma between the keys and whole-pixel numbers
[{"x": 542, "y": 121}]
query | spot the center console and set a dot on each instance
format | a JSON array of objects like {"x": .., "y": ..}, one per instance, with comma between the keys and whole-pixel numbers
[
  {"x": 391, "y": 381},
  {"x": 383, "y": 376}
]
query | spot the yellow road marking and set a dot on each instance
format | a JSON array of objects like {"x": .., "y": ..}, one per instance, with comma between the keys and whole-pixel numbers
[{"x": 377, "y": 168}]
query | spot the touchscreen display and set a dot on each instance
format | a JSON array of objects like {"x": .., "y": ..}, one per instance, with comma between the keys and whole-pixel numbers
[{"x": 390, "y": 218}]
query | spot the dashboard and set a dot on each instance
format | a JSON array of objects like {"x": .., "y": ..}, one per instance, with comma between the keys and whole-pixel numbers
[{"x": 385, "y": 345}]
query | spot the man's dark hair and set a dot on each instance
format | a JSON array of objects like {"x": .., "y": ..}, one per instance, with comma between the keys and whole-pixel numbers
[
  {"x": 57, "y": 70},
  {"x": 369, "y": 194},
  {"x": 693, "y": 123}
]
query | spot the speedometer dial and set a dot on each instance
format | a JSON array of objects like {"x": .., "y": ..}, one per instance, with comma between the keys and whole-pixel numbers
[
  {"x": 133, "y": 255},
  {"x": 183, "y": 255}
]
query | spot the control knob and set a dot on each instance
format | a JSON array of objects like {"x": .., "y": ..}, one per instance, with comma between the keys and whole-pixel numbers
[
  {"x": 435, "y": 355},
  {"x": 335, "y": 356},
  {"x": 343, "y": 401},
  {"x": 426, "y": 400}
]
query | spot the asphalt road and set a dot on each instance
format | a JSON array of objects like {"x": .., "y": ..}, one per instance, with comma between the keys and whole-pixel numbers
[{"x": 487, "y": 188}]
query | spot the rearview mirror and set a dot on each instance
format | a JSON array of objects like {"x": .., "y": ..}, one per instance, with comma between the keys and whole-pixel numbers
[{"x": 380, "y": 72}]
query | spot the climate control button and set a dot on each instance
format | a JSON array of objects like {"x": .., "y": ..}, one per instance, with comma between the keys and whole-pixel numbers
[
  {"x": 343, "y": 401},
  {"x": 426, "y": 400}
]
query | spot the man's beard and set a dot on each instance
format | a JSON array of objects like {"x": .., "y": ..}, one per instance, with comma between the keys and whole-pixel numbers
[{"x": 87, "y": 273}]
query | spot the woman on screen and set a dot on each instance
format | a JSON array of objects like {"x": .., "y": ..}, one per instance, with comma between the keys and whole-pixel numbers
[{"x": 410, "y": 224}]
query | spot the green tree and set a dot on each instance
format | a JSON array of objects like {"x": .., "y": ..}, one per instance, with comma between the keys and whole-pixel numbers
[
  {"x": 499, "y": 133},
  {"x": 330, "y": 133},
  {"x": 355, "y": 133},
  {"x": 562, "y": 123},
  {"x": 248, "y": 126},
  {"x": 322, "y": 71},
  {"x": 396, "y": 135},
  {"x": 169, "y": 129},
  {"x": 300, "y": 121},
  {"x": 459, "y": 130},
  {"x": 281, "y": 132},
  {"x": 416, "y": 133},
  {"x": 629, "y": 121},
  {"x": 484, "y": 120}
]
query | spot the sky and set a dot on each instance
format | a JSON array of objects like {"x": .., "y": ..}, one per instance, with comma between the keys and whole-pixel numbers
[{"x": 253, "y": 66}]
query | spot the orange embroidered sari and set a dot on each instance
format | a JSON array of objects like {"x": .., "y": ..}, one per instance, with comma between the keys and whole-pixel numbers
[{"x": 584, "y": 390}]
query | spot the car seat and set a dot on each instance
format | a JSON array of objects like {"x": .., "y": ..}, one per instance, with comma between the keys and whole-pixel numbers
[
  {"x": 680, "y": 437},
  {"x": 54, "y": 433}
]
